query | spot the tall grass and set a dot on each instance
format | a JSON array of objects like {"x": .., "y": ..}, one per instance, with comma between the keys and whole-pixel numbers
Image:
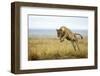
[{"x": 52, "y": 48}]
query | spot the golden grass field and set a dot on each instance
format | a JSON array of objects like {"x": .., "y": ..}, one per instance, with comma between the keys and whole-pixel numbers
[{"x": 52, "y": 48}]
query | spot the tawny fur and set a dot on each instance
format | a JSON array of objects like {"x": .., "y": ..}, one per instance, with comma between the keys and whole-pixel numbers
[{"x": 65, "y": 33}]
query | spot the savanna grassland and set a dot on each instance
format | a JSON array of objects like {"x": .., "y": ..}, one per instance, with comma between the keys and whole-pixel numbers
[{"x": 52, "y": 48}]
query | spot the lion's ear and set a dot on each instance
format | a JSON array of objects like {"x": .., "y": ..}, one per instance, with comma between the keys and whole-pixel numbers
[{"x": 63, "y": 29}]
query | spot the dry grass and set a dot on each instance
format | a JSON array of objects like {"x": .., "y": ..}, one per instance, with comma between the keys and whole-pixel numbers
[{"x": 52, "y": 48}]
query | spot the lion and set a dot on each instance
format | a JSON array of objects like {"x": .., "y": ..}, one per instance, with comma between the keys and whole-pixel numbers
[{"x": 65, "y": 33}]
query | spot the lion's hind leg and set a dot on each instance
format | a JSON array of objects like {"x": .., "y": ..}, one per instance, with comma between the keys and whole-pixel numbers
[
  {"x": 77, "y": 45},
  {"x": 73, "y": 45}
]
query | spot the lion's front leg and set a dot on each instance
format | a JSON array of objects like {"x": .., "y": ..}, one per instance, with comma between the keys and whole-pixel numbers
[{"x": 62, "y": 38}]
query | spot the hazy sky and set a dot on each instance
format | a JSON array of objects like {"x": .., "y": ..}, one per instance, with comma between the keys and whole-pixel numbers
[{"x": 55, "y": 22}]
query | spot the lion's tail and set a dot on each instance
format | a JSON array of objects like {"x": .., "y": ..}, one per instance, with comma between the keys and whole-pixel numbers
[{"x": 79, "y": 35}]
